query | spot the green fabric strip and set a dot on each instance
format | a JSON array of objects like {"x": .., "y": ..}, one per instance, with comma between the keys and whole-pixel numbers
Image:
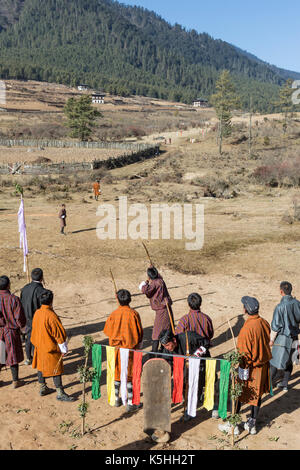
[
  {"x": 224, "y": 388},
  {"x": 97, "y": 366}
]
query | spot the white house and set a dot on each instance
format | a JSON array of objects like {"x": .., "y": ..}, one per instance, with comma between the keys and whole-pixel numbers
[
  {"x": 201, "y": 103},
  {"x": 98, "y": 97},
  {"x": 82, "y": 87}
]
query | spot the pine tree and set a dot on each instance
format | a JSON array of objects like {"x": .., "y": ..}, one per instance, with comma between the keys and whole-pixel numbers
[
  {"x": 81, "y": 116},
  {"x": 285, "y": 102},
  {"x": 224, "y": 101}
]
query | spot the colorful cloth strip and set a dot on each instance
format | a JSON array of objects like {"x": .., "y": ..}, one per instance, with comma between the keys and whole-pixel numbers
[
  {"x": 136, "y": 377},
  {"x": 110, "y": 355},
  {"x": 97, "y": 366},
  {"x": 124, "y": 355},
  {"x": 194, "y": 366},
  {"x": 224, "y": 385},
  {"x": 210, "y": 376},
  {"x": 178, "y": 365}
]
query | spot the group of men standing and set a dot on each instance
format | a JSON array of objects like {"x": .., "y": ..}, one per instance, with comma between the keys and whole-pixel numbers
[
  {"x": 266, "y": 349},
  {"x": 45, "y": 337}
]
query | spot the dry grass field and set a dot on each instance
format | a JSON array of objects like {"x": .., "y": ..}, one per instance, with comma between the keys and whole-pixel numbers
[{"x": 251, "y": 243}]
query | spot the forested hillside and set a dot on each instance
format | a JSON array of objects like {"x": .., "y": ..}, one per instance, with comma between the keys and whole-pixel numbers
[{"x": 123, "y": 50}]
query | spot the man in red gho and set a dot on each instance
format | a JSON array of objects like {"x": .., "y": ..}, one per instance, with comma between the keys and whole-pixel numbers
[
  {"x": 12, "y": 320},
  {"x": 156, "y": 290}
]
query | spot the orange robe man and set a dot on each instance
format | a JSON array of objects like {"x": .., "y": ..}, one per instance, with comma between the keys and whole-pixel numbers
[
  {"x": 49, "y": 340},
  {"x": 97, "y": 191},
  {"x": 253, "y": 341},
  {"x": 124, "y": 329}
]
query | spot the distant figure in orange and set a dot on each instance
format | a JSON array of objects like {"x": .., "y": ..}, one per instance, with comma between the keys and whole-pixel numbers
[{"x": 96, "y": 188}]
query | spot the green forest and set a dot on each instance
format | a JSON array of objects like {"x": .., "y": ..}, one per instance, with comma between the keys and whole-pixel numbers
[{"x": 126, "y": 51}]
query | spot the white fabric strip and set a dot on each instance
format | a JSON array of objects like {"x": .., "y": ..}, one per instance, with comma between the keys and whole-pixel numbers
[
  {"x": 124, "y": 355},
  {"x": 194, "y": 365}
]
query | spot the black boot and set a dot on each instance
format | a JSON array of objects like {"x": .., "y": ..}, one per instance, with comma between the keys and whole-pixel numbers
[{"x": 62, "y": 396}]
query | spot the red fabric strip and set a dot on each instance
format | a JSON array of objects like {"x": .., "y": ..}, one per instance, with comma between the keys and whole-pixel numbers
[
  {"x": 178, "y": 363},
  {"x": 136, "y": 377}
]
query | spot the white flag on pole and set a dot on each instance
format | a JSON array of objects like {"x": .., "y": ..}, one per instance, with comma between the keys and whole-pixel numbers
[{"x": 22, "y": 231}]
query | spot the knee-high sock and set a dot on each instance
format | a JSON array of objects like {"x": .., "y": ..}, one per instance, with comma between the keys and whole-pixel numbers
[
  {"x": 117, "y": 388},
  {"x": 129, "y": 393}
]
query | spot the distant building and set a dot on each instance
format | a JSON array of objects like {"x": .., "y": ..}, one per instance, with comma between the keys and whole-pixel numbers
[
  {"x": 98, "y": 97},
  {"x": 83, "y": 87},
  {"x": 201, "y": 103}
]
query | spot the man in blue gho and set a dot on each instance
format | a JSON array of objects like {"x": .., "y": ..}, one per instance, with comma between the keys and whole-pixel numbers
[{"x": 284, "y": 335}]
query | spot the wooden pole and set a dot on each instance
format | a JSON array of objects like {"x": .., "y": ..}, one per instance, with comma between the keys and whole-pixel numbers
[
  {"x": 170, "y": 317},
  {"x": 27, "y": 269},
  {"x": 114, "y": 283},
  {"x": 26, "y": 257},
  {"x": 147, "y": 252}
]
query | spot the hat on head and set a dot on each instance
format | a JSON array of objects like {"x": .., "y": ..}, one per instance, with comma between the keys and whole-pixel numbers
[{"x": 251, "y": 305}]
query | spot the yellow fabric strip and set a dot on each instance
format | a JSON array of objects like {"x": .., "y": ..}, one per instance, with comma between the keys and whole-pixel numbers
[
  {"x": 110, "y": 356},
  {"x": 210, "y": 375}
]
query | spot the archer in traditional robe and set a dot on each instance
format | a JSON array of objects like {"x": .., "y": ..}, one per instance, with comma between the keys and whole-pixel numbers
[
  {"x": 196, "y": 320},
  {"x": 156, "y": 291},
  {"x": 124, "y": 330},
  {"x": 49, "y": 339}
]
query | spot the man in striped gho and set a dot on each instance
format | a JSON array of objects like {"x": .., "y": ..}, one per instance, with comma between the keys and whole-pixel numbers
[
  {"x": 201, "y": 324},
  {"x": 196, "y": 320},
  {"x": 12, "y": 321}
]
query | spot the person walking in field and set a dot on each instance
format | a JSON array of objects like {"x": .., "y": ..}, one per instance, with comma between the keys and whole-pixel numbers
[
  {"x": 96, "y": 189},
  {"x": 62, "y": 216},
  {"x": 12, "y": 321}
]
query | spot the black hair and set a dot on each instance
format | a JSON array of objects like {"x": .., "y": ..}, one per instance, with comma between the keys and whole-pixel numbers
[
  {"x": 4, "y": 282},
  {"x": 46, "y": 298},
  {"x": 194, "y": 301},
  {"x": 166, "y": 336},
  {"x": 37, "y": 274},
  {"x": 124, "y": 297},
  {"x": 152, "y": 273},
  {"x": 286, "y": 287}
]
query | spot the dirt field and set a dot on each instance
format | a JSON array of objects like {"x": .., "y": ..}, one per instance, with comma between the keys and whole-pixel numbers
[
  {"x": 77, "y": 269},
  {"x": 248, "y": 249}
]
